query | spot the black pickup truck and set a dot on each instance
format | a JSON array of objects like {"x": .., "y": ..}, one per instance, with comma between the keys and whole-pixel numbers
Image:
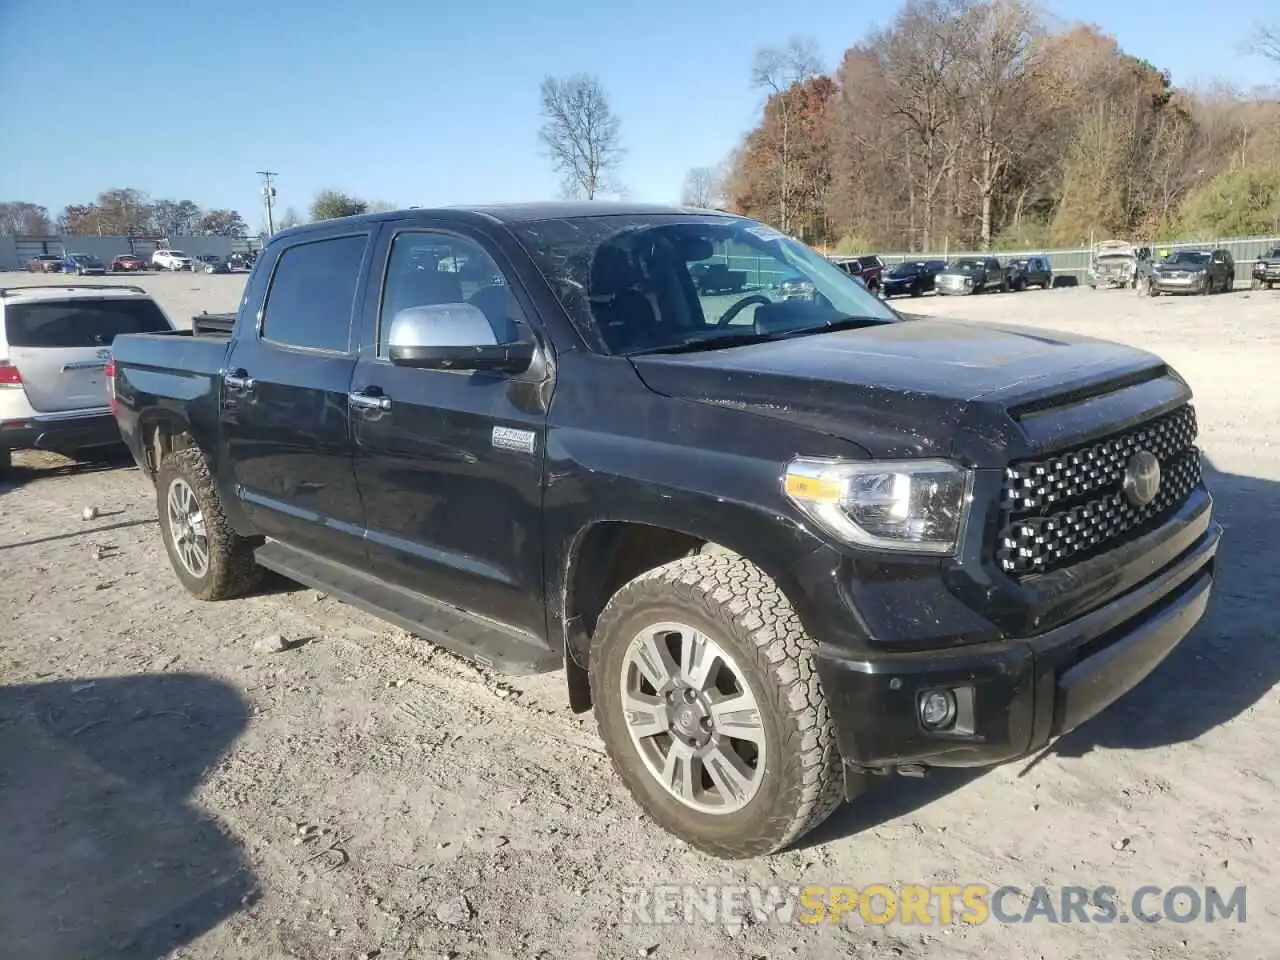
[{"x": 780, "y": 546}]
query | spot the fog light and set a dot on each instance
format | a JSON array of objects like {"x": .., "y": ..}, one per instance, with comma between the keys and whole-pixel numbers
[{"x": 937, "y": 709}]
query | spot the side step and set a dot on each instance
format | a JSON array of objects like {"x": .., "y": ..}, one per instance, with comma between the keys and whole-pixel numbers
[{"x": 490, "y": 644}]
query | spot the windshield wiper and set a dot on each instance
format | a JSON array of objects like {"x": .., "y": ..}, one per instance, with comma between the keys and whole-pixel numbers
[
  {"x": 839, "y": 323},
  {"x": 696, "y": 344}
]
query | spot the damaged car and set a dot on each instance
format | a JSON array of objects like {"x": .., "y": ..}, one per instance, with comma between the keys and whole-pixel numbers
[{"x": 1118, "y": 263}]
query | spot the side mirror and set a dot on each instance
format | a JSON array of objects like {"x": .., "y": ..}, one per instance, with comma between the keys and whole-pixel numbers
[{"x": 452, "y": 336}]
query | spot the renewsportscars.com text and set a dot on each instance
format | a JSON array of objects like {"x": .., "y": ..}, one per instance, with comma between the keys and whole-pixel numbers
[{"x": 928, "y": 904}]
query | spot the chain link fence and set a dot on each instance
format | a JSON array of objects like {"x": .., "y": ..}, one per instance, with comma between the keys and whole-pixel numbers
[{"x": 1244, "y": 250}]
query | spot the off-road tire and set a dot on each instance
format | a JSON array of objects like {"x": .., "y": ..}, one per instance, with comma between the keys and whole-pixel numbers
[
  {"x": 232, "y": 570},
  {"x": 732, "y": 600}
]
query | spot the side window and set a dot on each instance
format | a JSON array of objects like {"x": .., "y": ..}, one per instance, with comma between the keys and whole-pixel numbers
[
  {"x": 312, "y": 294},
  {"x": 429, "y": 269}
]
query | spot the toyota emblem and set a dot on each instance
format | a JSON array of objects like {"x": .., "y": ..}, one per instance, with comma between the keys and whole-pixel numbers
[{"x": 1142, "y": 478}]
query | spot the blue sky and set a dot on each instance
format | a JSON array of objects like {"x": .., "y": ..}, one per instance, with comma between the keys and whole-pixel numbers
[{"x": 432, "y": 102}]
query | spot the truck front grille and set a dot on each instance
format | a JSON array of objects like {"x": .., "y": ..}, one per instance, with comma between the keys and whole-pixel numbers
[{"x": 1062, "y": 509}]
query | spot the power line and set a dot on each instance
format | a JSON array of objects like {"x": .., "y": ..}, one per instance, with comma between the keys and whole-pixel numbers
[{"x": 269, "y": 194}]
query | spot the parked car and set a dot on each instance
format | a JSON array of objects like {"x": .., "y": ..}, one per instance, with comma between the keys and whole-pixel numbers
[
  {"x": 797, "y": 287},
  {"x": 55, "y": 342},
  {"x": 128, "y": 263},
  {"x": 242, "y": 260},
  {"x": 966, "y": 275},
  {"x": 84, "y": 265},
  {"x": 46, "y": 263},
  {"x": 1266, "y": 270},
  {"x": 1032, "y": 271},
  {"x": 776, "y": 561},
  {"x": 172, "y": 260},
  {"x": 912, "y": 278},
  {"x": 869, "y": 267},
  {"x": 1194, "y": 271},
  {"x": 211, "y": 263},
  {"x": 1118, "y": 263},
  {"x": 716, "y": 278}
]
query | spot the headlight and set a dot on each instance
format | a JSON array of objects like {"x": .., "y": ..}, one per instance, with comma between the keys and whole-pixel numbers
[{"x": 917, "y": 506}]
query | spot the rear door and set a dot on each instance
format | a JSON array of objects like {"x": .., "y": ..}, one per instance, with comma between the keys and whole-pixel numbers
[
  {"x": 284, "y": 396},
  {"x": 61, "y": 347}
]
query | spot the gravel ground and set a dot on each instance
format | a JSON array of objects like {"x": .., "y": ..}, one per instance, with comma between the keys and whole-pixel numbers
[{"x": 171, "y": 787}]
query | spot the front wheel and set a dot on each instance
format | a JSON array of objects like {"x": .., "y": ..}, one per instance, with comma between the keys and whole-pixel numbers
[
  {"x": 707, "y": 699},
  {"x": 211, "y": 560}
]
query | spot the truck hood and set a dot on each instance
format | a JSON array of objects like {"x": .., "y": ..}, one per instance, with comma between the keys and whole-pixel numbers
[{"x": 916, "y": 388}]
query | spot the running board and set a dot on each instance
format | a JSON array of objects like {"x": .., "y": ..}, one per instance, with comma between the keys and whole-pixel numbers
[{"x": 489, "y": 644}]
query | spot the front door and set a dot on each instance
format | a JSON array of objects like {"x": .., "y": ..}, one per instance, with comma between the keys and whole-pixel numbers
[
  {"x": 284, "y": 399},
  {"x": 450, "y": 463}
]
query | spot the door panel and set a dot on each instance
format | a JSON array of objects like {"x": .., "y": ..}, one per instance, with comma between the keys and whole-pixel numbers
[
  {"x": 284, "y": 403},
  {"x": 451, "y": 472}
]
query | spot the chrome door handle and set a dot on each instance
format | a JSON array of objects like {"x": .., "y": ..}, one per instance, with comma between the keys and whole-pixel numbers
[
  {"x": 366, "y": 401},
  {"x": 238, "y": 380}
]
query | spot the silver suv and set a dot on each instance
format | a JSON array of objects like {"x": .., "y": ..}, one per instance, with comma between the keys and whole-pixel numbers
[{"x": 55, "y": 342}]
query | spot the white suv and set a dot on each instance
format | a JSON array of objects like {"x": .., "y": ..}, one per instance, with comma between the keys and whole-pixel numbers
[
  {"x": 55, "y": 342},
  {"x": 172, "y": 260}
]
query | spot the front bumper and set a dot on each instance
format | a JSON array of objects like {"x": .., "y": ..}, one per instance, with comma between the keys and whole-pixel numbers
[
  {"x": 1013, "y": 696},
  {"x": 62, "y": 432},
  {"x": 1180, "y": 285}
]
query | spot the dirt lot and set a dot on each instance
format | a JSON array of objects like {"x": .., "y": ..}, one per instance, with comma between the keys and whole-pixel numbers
[{"x": 169, "y": 789}]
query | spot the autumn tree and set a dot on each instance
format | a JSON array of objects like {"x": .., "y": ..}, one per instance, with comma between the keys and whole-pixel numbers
[
  {"x": 782, "y": 72},
  {"x": 581, "y": 134},
  {"x": 701, "y": 188},
  {"x": 174, "y": 218},
  {"x": 19, "y": 218},
  {"x": 222, "y": 223},
  {"x": 80, "y": 219},
  {"x": 330, "y": 204}
]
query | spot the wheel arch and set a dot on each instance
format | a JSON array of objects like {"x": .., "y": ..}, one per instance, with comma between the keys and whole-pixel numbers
[{"x": 607, "y": 553}]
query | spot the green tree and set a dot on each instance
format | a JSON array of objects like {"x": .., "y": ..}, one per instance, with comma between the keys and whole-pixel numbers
[
  {"x": 1235, "y": 203},
  {"x": 330, "y": 204}
]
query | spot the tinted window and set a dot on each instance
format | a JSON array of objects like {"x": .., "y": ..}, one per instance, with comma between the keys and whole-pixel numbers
[
  {"x": 79, "y": 323},
  {"x": 431, "y": 269},
  {"x": 312, "y": 294},
  {"x": 905, "y": 270}
]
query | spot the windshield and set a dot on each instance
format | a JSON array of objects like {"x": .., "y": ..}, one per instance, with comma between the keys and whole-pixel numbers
[
  {"x": 644, "y": 282},
  {"x": 1188, "y": 256},
  {"x": 906, "y": 270},
  {"x": 175, "y": 253},
  {"x": 965, "y": 265},
  {"x": 1273, "y": 254}
]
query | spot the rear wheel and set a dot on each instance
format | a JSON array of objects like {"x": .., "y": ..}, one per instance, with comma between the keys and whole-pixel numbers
[
  {"x": 707, "y": 699},
  {"x": 211, "y": 560}
]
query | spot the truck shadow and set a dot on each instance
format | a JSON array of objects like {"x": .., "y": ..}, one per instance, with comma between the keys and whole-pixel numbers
[
  {"x": 1222, "y": 669},
  {"x": 34, "y": 465},
  {"x": 104, "y": 854}
]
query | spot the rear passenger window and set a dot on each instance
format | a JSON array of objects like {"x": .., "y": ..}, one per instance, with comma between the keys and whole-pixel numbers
[{"x": 312, "y": 295}]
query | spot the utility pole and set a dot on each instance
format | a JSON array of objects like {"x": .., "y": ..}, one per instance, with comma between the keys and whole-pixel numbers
[{"x": 269, "y": 194}]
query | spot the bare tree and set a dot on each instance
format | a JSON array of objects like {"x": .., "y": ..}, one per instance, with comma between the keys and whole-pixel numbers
[
  {"x": 779, "y": 70},
  {"x": 701, "y": 188},
  {"x": 1267, "y": 42},
  {"x": 582, "y": 134},
  {"x": 20, "y": 217}
]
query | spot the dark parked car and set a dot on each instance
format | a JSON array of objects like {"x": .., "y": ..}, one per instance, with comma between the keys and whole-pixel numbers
[
  {"x": 211, "y": 263},
  {"x": 84, "y": 265},
  {"x": 912, "y": 278},
  {"x": 1266, "y": 270},
  {"x": 966, "y": 275},
  {"x": 1033, "y": 271},
  {"x": 1194, "y": 271},
  {"x": 242, "y": 260},
  {"x": 46, "y": 263},
  {"x": 778, "y": 560},
  {"x": 867, "y": 267},
  {"x": 128, "y": 263}
]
